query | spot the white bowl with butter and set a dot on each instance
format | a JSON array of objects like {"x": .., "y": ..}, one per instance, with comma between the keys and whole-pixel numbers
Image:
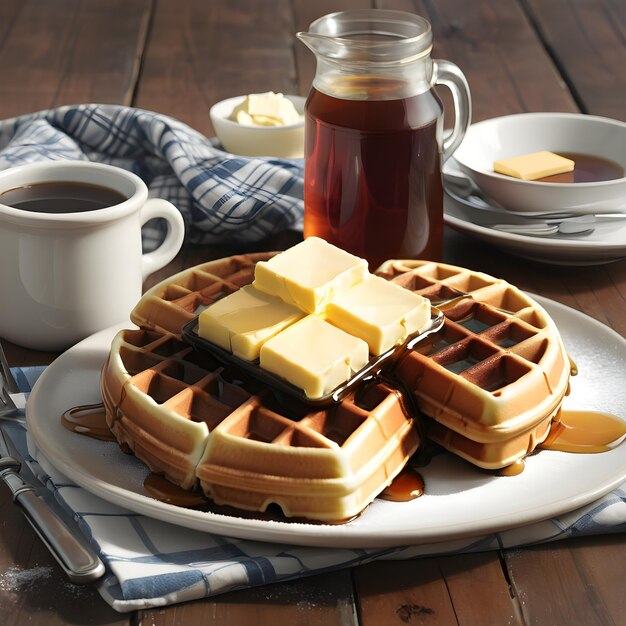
[
  {"x": 285, "y": 140},
  {"x": 595, "y": 141}
]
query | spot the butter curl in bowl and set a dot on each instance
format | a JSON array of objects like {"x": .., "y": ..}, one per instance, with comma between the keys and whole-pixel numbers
[{"x": 264, "y": 124}]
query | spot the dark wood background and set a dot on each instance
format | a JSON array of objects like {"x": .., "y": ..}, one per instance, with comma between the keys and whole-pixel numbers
[{"x": 179, "y": 57}]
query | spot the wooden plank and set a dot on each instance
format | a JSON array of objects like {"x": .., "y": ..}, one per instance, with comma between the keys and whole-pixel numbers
[
  {"x": 586, "y": 38},
  {"x": 403, "y": 592},
  {"x": 577, "y": 581},
  {"x": 470, "y": 589},
  {"x": 9, "y": 10},
  {"x": 200, "y": 53},
  {"x": 33, "y": 589},
  {"x": 70, "y": 51},
  {"x": 324, "y": 600}
]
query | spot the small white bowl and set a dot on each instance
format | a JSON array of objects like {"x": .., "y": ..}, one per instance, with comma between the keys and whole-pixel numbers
[
  {"x": 513, "y": 135},
  {"x": 272, "y": 141}
]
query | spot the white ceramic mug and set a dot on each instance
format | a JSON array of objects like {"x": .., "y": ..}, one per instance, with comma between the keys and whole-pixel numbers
[{"x": 64, "y": 276}]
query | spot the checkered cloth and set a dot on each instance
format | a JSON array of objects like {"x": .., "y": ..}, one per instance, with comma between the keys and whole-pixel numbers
[
  {"x": 223, "y": 198},
  {"x": 151, "y": 563}
]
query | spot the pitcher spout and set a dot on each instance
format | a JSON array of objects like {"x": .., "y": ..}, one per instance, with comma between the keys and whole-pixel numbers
[{"x": 321, "y": 45}]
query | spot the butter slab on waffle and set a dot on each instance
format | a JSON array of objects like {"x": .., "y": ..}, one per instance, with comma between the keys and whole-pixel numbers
[{"x": 493, "y": 380}]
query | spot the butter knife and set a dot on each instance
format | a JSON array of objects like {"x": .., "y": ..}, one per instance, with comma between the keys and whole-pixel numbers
[{"x": 79, "y": 562}]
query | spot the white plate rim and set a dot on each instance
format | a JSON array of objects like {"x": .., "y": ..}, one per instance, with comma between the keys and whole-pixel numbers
[
  {"x": 46, "y": 431},
  {"x": 538, "y": 247}
]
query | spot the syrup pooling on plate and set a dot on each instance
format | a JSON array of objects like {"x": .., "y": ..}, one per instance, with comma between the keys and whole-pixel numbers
[
  {"x": 585, "y": 432},
  {"x": 407, "y": 485},
  {"x": 88, "y": 419},
  {"x": 165, "y": 491}
]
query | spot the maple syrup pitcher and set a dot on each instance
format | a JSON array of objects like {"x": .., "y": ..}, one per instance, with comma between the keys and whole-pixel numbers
[{"x": 374, "y": 135}]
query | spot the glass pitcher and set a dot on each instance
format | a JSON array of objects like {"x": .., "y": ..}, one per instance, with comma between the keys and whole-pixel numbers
[{"x": 374, "y": 135}]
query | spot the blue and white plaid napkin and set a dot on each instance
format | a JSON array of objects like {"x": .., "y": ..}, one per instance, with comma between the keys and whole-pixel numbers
[
  {"x": 151, "y": 563},
  {"x": 223, "y": 198}
]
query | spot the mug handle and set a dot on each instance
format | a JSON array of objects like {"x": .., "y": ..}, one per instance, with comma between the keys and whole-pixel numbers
[
  {"x": 159, "y": 208},
  {"x": 448, "y": 74}
]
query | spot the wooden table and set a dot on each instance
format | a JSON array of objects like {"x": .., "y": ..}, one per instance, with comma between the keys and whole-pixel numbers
[{"x": 180, "y": 56}]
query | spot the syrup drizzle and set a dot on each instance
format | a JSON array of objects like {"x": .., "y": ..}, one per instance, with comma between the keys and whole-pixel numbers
[
  {"x": 89, "y": 420},
  {"x": 163, "y": 490},
  {"x": 585, "y": 432},
  {"x": 512, "y": 470},
  {"x": 407, "y": 485}
]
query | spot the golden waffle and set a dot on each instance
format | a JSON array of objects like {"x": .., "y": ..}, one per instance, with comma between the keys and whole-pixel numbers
[
  {"x": 187, "y": 417},
  {"x": 328, "y": 465},
  {"x": 194, "y": 420},
  {"x": 495, "y": 377},
  {"x": 162, "y": 399},
  {"x": 168, "y": 306}
]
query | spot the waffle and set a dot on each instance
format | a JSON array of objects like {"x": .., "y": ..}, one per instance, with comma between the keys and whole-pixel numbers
[
  {"x": 168, "y": 306},
  {"x": 203, "y": 424},
  {"x": 493, "y": 380},
  {"x": 489, "y": 385}
]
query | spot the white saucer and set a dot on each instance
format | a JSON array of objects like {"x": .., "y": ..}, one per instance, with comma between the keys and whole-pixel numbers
[{"x": 605, "y": 245}]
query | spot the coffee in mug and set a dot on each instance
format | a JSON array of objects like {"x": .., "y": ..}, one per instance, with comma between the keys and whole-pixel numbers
[
  {"x": 61, "y": 197},
  {"x": 71, "y": 259}
]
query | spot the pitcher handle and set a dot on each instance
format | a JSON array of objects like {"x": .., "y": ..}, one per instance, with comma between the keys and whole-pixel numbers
[{"x": 448, "y": 74}]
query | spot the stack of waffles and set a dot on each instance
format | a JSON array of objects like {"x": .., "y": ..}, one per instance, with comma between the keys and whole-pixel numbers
[
  {"x": 488, "y": 384},
  {"x": 491, "y": 382}
]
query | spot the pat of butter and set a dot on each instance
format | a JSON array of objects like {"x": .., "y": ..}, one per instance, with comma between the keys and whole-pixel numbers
[
  {"x": 380, "y": 312},
  {"x": 244, "y": 320},
  {"x": 265, "y": 109},
  {"x": 534, "y": 166},
  {"x": 314, "y": 356},
  {"x": 310, "y": 274}
]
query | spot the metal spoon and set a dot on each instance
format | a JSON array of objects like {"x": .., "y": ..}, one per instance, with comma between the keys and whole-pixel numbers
[{"x": 580, "y": 225}]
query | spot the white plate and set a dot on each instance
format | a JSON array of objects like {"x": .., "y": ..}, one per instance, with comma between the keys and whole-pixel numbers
[
  {"x": 460, "y": 500},
  {"x": 605, "y": 245}
]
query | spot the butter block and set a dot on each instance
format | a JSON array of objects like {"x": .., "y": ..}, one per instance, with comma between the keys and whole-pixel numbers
[
  {"x": 534, "y": 166},
  {"x": 380, "y": 312},
  {"x": 265, "y": 109},
  {"x": 244, "y": 320},
  {"x": 314, "y": 356},
  {"x": 310, "y": 274}
]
